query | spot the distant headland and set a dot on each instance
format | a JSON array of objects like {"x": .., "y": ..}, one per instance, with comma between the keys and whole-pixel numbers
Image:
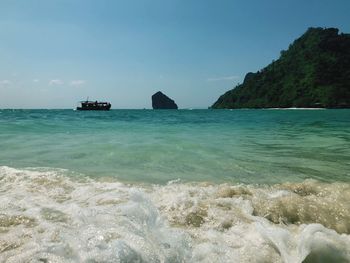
[{"x": 313, "y": 73}]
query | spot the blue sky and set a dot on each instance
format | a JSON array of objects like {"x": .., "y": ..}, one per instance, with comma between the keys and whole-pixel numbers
[{"x": 54, "y": 53}]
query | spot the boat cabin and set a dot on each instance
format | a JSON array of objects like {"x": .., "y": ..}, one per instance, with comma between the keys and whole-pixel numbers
[{"x": 94, "y": 105}]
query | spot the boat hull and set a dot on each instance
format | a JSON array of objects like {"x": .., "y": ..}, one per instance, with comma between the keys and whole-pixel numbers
[{"x": 94, "y": 108}]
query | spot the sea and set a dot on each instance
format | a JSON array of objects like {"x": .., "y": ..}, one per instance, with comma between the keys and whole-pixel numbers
[{"x": 175, "y": 186}]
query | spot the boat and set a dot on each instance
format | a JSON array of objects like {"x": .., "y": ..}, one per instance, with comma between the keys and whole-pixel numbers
[{"x": 94, "y": 105}]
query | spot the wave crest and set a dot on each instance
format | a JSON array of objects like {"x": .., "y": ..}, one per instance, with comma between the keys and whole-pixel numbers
[{"x": 55, "y": 216}]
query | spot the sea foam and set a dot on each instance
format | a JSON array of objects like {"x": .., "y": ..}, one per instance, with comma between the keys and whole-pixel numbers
[{"x": 53, "y": 215}]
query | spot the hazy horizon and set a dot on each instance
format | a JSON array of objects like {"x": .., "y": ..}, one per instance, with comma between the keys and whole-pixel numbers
[{"x": 56, "y": 53}]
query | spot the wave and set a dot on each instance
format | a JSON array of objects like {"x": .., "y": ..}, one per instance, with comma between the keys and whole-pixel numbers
[{"x": 53, "y": 215}]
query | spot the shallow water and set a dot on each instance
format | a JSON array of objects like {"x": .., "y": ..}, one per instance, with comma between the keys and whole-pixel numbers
[
  {"x": 242, "y": 146},
  {"x": 175, "y": 186}
]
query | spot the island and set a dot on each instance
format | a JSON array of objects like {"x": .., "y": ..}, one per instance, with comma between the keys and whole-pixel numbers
[
  {"x": 161, "y": 101},
  {"x": 313, "y": 73}
]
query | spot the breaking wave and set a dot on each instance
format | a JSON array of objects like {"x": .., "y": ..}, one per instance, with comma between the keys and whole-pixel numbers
[{"x": 52, "y": 215}]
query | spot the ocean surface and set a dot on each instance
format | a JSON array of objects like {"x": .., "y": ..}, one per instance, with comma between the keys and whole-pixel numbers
[{"x": 175, "y": 186}]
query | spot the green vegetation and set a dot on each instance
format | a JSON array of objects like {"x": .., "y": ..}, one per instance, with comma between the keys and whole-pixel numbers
[{"x": 313, "y": 72}]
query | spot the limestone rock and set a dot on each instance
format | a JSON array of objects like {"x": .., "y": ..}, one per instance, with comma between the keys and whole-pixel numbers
[{"x": 161, "y": 101}]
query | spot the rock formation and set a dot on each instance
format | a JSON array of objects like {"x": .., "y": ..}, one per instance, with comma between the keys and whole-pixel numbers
[{"x": 161, "y": 101}]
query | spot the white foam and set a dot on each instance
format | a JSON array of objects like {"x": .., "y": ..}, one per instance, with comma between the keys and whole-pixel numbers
[{"x": 51, "y": 215}]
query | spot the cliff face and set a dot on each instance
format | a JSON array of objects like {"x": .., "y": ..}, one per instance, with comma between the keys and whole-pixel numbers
[
  {"x": 313, "y": 72},
  {"x": 161, "y": 101}
]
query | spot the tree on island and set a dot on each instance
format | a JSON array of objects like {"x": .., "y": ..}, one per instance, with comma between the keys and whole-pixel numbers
[{"x": 314, "y": 72}]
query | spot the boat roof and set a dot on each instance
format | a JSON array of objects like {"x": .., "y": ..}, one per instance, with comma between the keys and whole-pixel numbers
[{"x": 92, "y": 101}]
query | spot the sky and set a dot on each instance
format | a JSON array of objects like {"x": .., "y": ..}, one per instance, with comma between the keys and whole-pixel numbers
[{"x": 54, "y": 53}]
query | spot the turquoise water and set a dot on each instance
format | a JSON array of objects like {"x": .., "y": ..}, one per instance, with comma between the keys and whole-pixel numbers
[
  {"x": 175, "y": 186},
  {"x": 249, "y": 146}
]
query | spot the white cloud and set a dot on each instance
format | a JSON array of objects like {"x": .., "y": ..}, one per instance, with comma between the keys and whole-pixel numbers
[
  {"x": 55, "y": 82},
  {"x": 5, "y": 83},
  {"x": 77, "y": 83},
  {"x": 224, "y": 78},
  {"x": 35, "y": 80}
]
